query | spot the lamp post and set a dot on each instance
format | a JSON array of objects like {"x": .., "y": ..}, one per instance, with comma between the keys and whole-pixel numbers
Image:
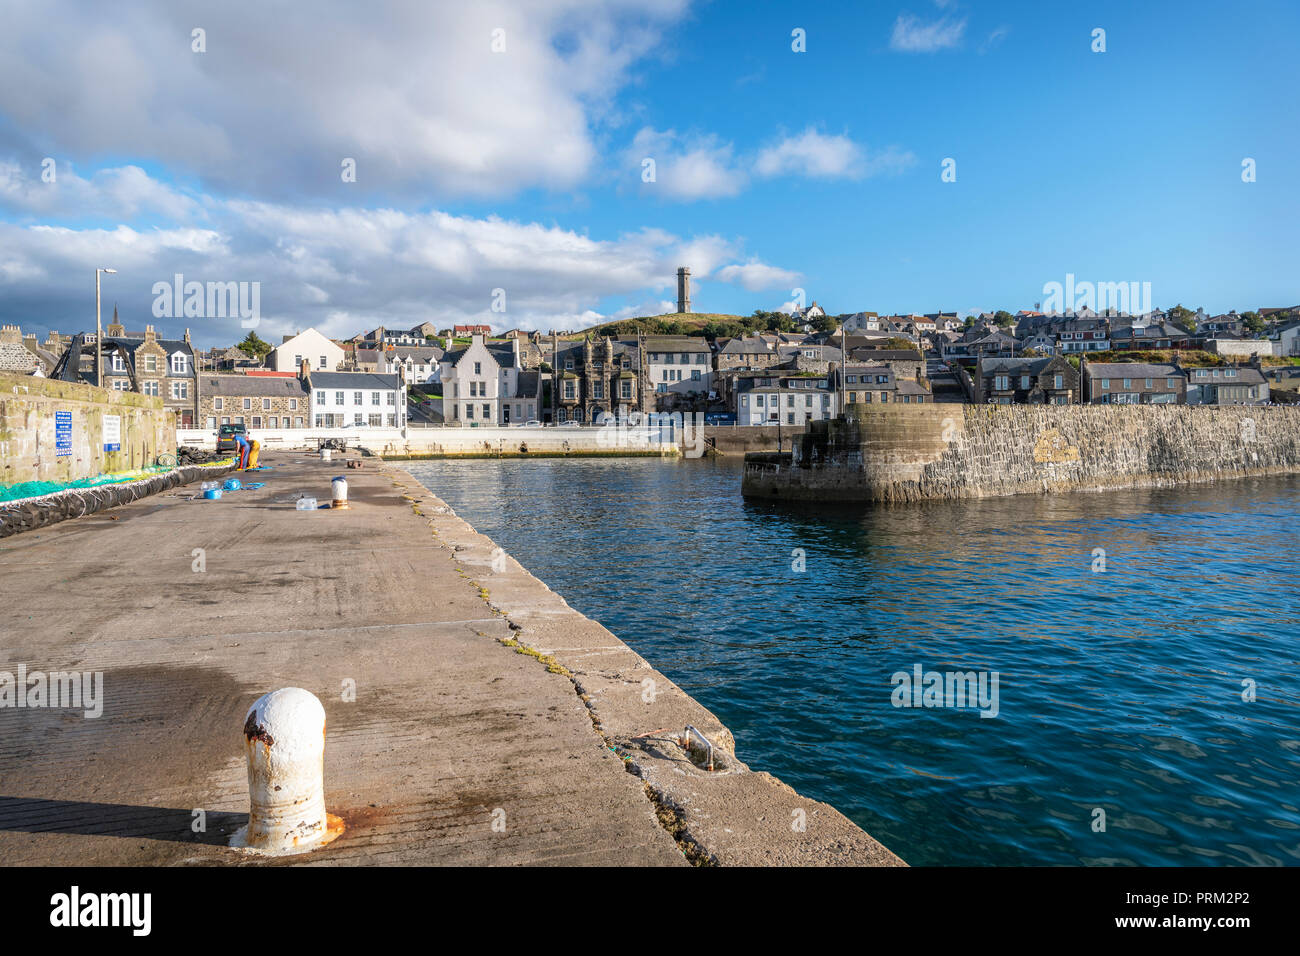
[{"x": 99, "y": 332}]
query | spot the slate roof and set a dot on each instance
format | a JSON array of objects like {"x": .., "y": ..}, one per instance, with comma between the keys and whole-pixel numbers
[
  {"x": 251, "y": 386},
  {"x": 355, "y": 380}
]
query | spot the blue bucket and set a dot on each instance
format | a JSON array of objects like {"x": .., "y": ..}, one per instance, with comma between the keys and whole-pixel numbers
[{"x": 212, "y": 494}]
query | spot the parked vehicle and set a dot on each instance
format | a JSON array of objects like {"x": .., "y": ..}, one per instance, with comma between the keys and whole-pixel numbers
[
  {"x": 226, "y": 437},
  {"x": 532, "y": 423}
]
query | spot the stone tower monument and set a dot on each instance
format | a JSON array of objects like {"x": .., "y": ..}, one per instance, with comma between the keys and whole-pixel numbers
[{"x": 683, "y": 289}]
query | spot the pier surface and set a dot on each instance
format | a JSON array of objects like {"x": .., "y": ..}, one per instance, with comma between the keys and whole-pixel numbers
[{"x": 473, "y": 717}]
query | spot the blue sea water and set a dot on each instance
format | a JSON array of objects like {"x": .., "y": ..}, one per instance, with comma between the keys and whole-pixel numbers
[{"x": 1120, "y": 692}]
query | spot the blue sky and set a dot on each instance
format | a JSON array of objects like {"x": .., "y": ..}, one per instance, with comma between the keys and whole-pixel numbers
[{"x": 521, "y": 168}]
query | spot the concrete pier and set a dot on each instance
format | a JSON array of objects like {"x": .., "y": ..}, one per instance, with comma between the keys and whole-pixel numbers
[{"x": 472, "y": 716}]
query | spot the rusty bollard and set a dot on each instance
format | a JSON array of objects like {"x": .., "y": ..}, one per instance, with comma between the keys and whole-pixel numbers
[{"x": 284, "y": 740}]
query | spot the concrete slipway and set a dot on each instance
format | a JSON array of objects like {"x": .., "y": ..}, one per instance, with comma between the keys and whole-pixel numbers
[{"x": 477, "y": 690}]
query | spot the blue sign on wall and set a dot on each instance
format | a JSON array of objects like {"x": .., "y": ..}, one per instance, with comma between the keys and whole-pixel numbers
[{"x": 62, "y": 433}]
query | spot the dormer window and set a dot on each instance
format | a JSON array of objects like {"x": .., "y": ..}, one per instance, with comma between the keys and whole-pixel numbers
[{"x": 180, "y": 363}]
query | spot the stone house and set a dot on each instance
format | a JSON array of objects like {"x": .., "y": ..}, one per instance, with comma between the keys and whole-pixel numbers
[
  {"x": 594, "y": 378},
  {"x": 1025, "y": 381},
  {"x": 678, "y": 364},
  {"x": 143, "y": 362},
  {"x": 254, "y": 401},
  {"x": 1134, "y": 383}
]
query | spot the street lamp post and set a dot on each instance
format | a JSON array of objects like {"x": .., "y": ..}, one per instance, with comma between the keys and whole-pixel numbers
[{"x": 99, "y": 332}]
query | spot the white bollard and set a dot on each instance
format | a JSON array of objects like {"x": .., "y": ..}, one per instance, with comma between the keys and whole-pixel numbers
[
  {"x": 284, "y": 737},
  {"x": 340, "y": 486},
  {"x": 326, "y": 454}
]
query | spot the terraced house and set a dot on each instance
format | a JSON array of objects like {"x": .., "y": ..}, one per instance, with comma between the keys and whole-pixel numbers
[
  {"x": 1134, "y": 383},
  {"x": 254, "y": 401}
]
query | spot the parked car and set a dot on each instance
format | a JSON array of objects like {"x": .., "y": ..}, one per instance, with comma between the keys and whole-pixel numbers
[
  {"x": 532, "y": 423},
  {"x": 226, "y": 437}
]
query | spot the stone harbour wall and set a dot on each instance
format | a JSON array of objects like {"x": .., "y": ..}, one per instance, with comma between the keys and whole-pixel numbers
[
  {"x": 30, "y": 437},
  {"x": 902, "y": 453}
]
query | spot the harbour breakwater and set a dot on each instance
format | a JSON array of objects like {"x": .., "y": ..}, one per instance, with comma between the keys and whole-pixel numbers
[{"x": 888, "y": 453}]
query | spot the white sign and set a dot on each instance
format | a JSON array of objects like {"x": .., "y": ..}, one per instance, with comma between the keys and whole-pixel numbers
[{"x": 112, "y": 433}]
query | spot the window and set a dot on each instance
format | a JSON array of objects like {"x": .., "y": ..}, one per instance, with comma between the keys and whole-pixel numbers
[
  {"x": 376, "y": 420},
  {"x": 1024, "y": 381},
  {"x": 478, "y": 368},
  {"x": 789, "y": 401},
  {"x": 225, "y": 420},
  {"x": 374, "y": 398},
  {"x": 853, "y": 398},
  {"x": 884, "y": 396},
  {"x": 1105, "y": 383},
  {"x": 248, "y": 404},
  {"x": 695, "y": 375},
  {"x": 266, "y": 404},
  {"x": 273, "y": 422},
  {"x": 257, "y": 421},
  {"x": 1000, "y": 382},
  {"x": 626, "y": 388},
  {"x": 1059, "y": 381},
  {"x": 356, "y": 398},
  {"x": 320, "y": 398},
  {"x": 293, "y": 404},
  {"x": 391, "y": 399},
  {"x": 297, "y": 362},
  {"x": 180, "y": 389},
  {"x": 218, "y": 404},
  {"x": 212, "y": 421},
  {"x": 151, "y": 388},
  {"x": 118, "y": 364},
  {"x": 1170, "y": 383},
  {"x": 1128, "y": 383},
  {"x": 323, "y": 361},
  {"x": 180, "y": 363},
  {"x": 744, "y": 401},
  {"x": 487, "y": 410},
  {"x": 297, "y": 422},
  {"x": 597, "y": 389},
  {"x": 569, "y": 389},
  {"x": 151, "y": 363}
]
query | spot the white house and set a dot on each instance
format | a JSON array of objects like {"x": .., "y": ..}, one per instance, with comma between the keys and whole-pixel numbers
[
  {"x": 679, "y": 363},
  {"x": 484, "y": 384},
  {"x": 357, "y": 399},
  {"x": 420, "y": 364},
  {"x": 310, "y": 346}
]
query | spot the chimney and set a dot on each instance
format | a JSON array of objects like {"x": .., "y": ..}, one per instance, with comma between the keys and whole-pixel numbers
[
  {"x": 149, "y": 334},
  {"x": 187, "y": 337},
  {"x": 304, "y": 373},
  {"x": 683, "y": 289},
  {"x": 11, "y": 335}
]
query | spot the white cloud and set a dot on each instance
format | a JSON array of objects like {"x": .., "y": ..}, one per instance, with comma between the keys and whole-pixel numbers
[
  {"x": 755, "y": 275},
  {"x": 811, "y": 154},
  {"x": 686, "y": 167},
  {"x": 913, "y": 35},
  {"x": 345, "y": 270},
  {"x": 818, "y": 156},
  {"x": 284, "y": 92}
]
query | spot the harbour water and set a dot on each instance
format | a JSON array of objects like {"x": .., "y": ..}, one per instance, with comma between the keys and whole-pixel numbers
[{"x": 1125, "y": 731}]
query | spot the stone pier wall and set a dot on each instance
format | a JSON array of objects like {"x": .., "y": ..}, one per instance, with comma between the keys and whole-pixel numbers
[
  {"x": 30, "y": 438},
  {"x": 901, "y": 453}
]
